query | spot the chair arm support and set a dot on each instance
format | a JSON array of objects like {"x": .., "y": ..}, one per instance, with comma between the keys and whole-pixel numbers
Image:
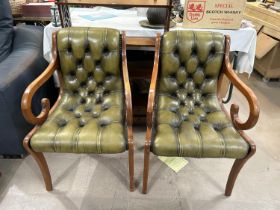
[
  {"x": 152, "y": 90},
  {"x": 127, "y": 89},
  {"x": 246, "y": 91},
  {"x": 29, "y": 92}
]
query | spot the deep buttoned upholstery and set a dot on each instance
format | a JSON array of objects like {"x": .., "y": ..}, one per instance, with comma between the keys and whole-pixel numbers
[
  {"x": 188, "y": 119},
  {"x": 89, "y": 117}
]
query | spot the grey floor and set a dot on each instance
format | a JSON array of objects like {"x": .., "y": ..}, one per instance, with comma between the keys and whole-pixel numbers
[{"x": 101, "y": 182}]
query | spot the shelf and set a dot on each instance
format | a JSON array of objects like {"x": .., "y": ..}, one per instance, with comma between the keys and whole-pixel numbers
[
  {"x": 63, "y": 7},
  {"x": 134, "y": 3}
]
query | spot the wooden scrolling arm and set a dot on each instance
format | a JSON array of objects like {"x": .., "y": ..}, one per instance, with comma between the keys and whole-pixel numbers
[
  {"x": 246, "y": 91},
  {"x": 127, "y": 89},
  {"x": 152, "y": 91},
  {"x": 28, "y": 94}
]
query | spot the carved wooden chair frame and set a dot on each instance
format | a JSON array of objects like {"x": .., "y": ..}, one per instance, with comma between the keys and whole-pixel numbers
[
  {"x": 237, "y": 123},
  {"x": 46, "y": 110}
]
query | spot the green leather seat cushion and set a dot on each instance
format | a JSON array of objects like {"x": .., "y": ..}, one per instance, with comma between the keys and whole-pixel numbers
[
  {"x": 196, "y": 133},
  {"x": 188, "y": 117},
  {"x": 89, "y": 117},
  {"x": 83, "y": 128}
]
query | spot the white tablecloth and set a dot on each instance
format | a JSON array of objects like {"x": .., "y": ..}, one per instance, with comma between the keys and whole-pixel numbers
[{"x": 242, "y": 40}]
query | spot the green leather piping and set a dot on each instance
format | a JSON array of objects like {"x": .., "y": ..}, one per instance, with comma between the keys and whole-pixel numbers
[
  {"x": 180, "y": 151},
  {"x": 200, "y": 142},
  {"x": 98, "y": 143},
  {"x": 223, "y": 143},
  {"x": 54, "y": 142}
]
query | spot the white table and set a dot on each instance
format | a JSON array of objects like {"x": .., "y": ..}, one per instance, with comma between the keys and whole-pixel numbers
[{"x": 243, "y": 40}]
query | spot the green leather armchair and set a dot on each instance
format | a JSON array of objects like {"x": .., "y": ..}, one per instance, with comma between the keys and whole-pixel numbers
[
  {"x": 93, "y": 113},
  {"x": 185, "y": 115}
]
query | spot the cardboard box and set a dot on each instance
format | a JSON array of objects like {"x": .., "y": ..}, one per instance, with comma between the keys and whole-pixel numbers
[
  {"x": 264, "y": 44},
  {"x": 267, "y": 61},
  {"x": 262, "y": 17},
  {"x": 254, "y": 9},
  {"x": 219, "y": 14}
]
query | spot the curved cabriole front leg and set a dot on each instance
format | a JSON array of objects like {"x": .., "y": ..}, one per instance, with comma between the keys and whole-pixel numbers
[
  {"x": 40, "y": 159},
  {"x": 28, "y": 94},
  {"x": 246, "y": 91},
  {"x": 238, "y": 164}
]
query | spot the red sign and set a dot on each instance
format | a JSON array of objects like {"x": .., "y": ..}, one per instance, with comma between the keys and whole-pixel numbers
[{"x": 195, "y": 10}]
